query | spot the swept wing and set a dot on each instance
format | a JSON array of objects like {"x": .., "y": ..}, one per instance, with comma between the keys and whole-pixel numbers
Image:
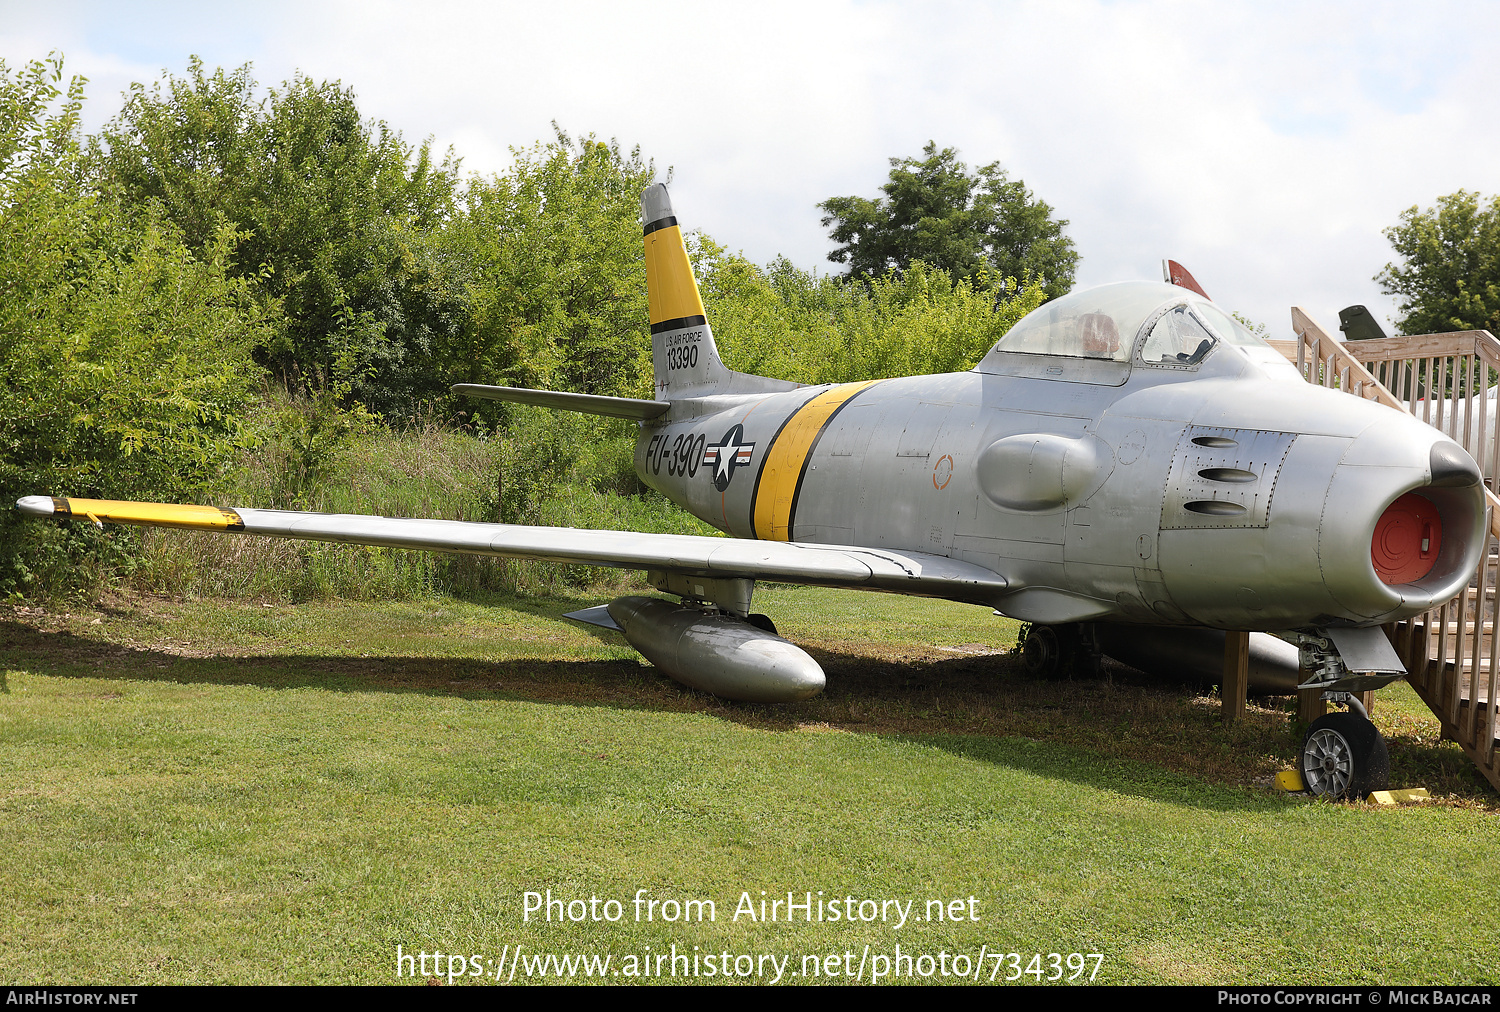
[{"x": 722, "y": 558}]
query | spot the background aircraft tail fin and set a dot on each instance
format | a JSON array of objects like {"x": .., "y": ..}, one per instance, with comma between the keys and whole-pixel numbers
[{"x": 683, "y": 354}]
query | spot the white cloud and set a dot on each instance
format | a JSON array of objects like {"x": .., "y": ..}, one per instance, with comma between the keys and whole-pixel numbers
[{"x": 1265, "y": 146}]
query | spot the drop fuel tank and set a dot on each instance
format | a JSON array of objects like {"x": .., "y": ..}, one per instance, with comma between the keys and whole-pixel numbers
[{"x": 717, "y": 652}]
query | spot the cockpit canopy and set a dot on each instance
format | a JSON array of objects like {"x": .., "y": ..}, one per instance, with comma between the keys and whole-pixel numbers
[{"x": 1160, "y": 324}]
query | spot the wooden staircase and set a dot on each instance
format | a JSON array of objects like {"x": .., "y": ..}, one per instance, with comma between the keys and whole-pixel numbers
[{"x": 1451, "y": 653}]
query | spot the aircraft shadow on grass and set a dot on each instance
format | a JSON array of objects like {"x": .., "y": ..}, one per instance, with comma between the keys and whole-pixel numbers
[{"x": 978, "y": 706}]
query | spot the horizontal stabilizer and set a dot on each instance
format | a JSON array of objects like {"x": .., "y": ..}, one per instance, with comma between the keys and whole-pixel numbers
[{"x": 589, "y": 404}]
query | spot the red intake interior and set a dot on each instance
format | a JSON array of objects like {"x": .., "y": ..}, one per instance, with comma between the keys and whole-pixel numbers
[{"x": 1407, "y": 538}]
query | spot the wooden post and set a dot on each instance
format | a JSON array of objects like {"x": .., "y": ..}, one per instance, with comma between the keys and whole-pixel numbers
[
  {"x": 1310, "y": 705},
  {"x": 1236, "y": 675}
]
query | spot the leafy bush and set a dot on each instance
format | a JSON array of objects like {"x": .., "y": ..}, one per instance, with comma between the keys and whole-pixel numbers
[
  {"x": 558, "y": 469},
  {"x": 124, "y": 358},
  {"x": 337, "y": 220},
  {"x": 208, "y": 228},
  {"x": 551, "y": 259},
  {"x": 785, "y": 322}
]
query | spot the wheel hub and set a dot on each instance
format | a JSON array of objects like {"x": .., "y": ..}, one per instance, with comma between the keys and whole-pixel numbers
[
  {"x": 1041, "y": 651},
  {"x": 1329, "y": 762}
]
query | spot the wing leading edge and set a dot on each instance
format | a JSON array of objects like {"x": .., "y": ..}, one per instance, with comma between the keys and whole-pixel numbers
[{"x": 915, "y": 573}]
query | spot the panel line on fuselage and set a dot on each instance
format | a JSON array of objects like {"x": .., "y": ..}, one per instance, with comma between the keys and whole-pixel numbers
[{"x": 773, "y": 503}]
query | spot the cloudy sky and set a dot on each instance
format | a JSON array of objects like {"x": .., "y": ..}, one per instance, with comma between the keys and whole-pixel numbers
[{"x": 1264, "y": 145}]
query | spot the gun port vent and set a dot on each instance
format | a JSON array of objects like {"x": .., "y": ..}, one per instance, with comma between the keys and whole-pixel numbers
[
  {"x": 1215, "y": 508},
  {"x": 1216, "y": 442},
  {"x": 1407, "y": 538},
  {"x": 1230, "y": 474}
]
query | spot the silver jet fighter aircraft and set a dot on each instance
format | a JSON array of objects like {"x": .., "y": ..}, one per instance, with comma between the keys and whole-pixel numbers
[{"x": 1126, "y": 459}]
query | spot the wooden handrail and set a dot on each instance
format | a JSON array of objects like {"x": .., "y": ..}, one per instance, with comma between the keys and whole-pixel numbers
[
  {"x": 1312, "y": 336},
  {"x": 1324, "y": 349},
  {"x": 1459, "y": 342}
]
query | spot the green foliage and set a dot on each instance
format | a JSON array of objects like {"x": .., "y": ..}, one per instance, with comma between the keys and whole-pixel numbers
[
  {"x": 1449, "y": 275},
  {"x": 308, "y": 458},
  {"x": 553, "y": 270},
  {"x": 209, "y": 226},
  {"x": 788, "y": 323},
  {"x": 338, "y": 218},
  {"x": 552, "y": 468},
  {"x": 124, "y": 358},
  {"x": 1258, "y": 329},
  {"x": 968, "y": 224}
]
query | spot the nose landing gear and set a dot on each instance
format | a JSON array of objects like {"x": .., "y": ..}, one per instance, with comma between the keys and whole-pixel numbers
[{"x": 1343, "y": 755}]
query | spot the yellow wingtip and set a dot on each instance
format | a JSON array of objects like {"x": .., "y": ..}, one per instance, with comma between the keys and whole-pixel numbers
[{"x": 150, "y": 514}]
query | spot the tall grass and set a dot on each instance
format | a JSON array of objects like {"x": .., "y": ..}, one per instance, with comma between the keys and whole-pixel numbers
[{"x": 545, "y": 468}]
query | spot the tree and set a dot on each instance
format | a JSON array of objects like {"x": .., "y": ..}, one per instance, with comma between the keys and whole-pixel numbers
[
  {"x": 550, "y": 255},
  {"x": 1449, "y": 275},
  {"x": 936, "y": 211},
  {"x": 784, "y": 322},
  {"x": 124, "y": 357},
  {"x": 337, "y": 217}
]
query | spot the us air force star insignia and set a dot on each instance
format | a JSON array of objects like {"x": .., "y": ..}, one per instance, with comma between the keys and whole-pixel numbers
[{"x": 727, "y": 455}]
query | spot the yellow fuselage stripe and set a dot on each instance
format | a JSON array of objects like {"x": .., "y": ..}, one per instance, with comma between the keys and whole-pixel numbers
[
  {"x": 671, "y": 292},
  {"x": 786, "y": 460},
  {"x": 151, "y": 514}
]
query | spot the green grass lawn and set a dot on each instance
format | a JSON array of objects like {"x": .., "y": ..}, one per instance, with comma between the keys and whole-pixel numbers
[{"x": 212, "y": 791}]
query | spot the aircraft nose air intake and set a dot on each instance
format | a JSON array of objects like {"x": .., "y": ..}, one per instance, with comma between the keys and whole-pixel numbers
[
  {"x": 1407, "y": 539},
  {"x": 1373, "y": 526},
  {"x": 1410, "y": 505}
]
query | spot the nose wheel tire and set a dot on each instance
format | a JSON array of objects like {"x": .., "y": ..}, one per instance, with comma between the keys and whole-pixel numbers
[{"x": 1343, "y": 756}]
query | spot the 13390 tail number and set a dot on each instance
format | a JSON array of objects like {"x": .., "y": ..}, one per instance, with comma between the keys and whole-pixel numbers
[{"x": 682, "y": 357}]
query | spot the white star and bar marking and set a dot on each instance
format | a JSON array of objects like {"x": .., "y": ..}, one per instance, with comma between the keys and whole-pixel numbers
[{"x": 727, "y": 455}]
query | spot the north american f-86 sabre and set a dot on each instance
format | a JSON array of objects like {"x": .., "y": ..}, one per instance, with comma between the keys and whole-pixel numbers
[{"x": 1128, "y": 468}]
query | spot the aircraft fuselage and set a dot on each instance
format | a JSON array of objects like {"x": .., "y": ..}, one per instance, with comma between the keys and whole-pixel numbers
[{"x": 1227, "y": 494}]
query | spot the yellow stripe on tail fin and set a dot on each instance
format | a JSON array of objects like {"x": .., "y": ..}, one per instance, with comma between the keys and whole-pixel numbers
[
  {"x": 684, "y": 358},
  {"x": 671, "y": 289}
]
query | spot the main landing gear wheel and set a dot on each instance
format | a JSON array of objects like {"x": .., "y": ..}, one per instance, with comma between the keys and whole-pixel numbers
[
  {"x": 1042, "y": 651},
  {"x": 1053, "y": 651},
  {"x": 1343, "y": 756}
]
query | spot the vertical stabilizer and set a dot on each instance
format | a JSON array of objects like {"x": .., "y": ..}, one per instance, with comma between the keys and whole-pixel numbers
[{"x": 683, "y": 354}]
